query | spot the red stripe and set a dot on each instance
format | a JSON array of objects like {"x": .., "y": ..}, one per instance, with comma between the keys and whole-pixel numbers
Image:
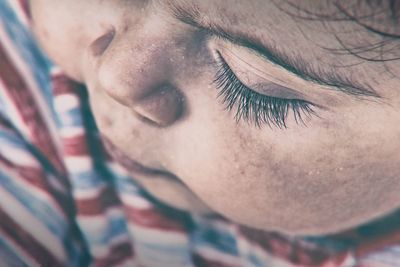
[
  {"x": 283, "y": 248},
  {"x": 337, "y": 260},
  {"x": 25, "y": 8},
  {"x": 75, "y": 146},
  {"x": 201, "y": 261},
  {"x": 28, "y": 243},
  {"x": 99, "y": 204},
  {"x": 24, "y": 101},
  {"x": 306, "y": 257},
  {"x": 118, "y": 254},
  {"x": 63, "y": 85},
  {"x": 37, "y": 178},
  {"x": 152, "y": 219},
  {"x": 32, "y": 176}
]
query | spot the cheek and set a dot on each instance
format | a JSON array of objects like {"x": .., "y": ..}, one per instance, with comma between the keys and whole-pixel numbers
[
  {"x": 309, "y": 180},
  {"x": 109, "y": 117},
  {"x": 54, "y": 34},
  {"x": 101, "y": 107},
  {"x": 112, "y": 119},
  {"x": 229, "y": 170}
]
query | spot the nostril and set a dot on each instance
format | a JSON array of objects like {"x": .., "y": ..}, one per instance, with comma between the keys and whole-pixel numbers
[
  {"x": 98, "y": 46},
  {"x": 161, "y": 108}
]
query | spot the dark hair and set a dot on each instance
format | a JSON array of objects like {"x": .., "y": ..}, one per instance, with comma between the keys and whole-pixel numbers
[{"x": 379, "y": 17}]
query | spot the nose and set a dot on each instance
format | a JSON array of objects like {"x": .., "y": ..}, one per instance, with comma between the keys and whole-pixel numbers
[
  {"x": 162, "y": 107},
  {"x": 135, "y": 69}
]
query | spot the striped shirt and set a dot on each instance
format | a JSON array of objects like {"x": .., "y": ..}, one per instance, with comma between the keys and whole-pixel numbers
[{"x": 64, "y": 202}]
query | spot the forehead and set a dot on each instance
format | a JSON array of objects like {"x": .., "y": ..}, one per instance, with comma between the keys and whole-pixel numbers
[
  {"x": 329, "y": 35},
  {"x": 309, "y": 26},
  {"x": 317, "y": 32}
]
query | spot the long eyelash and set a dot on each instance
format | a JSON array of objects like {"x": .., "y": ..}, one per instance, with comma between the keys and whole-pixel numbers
[{"x": 257, "y": 108}]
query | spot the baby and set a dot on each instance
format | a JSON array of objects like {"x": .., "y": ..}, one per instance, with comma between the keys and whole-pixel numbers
[{"x": 277, "y": 116}]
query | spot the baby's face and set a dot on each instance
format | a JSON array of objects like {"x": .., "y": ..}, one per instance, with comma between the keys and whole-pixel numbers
[{"x": 244, "y": 108}]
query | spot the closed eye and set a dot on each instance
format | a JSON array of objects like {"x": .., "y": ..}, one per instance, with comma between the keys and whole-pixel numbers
[{"x": 254, "y": 107}]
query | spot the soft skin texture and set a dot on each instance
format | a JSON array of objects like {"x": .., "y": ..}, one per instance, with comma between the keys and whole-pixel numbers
[{"x": 150, "y": 82}]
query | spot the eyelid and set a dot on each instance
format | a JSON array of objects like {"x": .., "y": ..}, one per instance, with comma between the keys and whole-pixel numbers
[
  {"x": 227, "y": 43},
  {"x": 275, "y": 90},
  {"x": 264, "y": 85},
  {"x": 255, "y": 107}
]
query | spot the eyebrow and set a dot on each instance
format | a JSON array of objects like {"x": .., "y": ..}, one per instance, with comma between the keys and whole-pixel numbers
[{"x": 191, "y": 15}]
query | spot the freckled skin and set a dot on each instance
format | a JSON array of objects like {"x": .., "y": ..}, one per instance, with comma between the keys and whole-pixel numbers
[{"x": 339, "y": 170}]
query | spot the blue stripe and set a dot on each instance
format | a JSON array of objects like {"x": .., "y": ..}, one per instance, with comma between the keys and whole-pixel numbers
[
  {"x": 11, "y": 139},
  {"x": 170, "y": 249},
  {"x": 76, "y": 252},
  {"x": 331, "y": 244},
  {"x": 84, "y": 180},
  {"x": 163, "y": 256},
  {"x": 44, "y": 212},
  {"x": 253, "y": 259},
  {"x": 71, "y": 118},
  {"x": 38, "y": 64},
  {"x": 115, "y": 227},
  {"x": 9, "y": 257},
  {"x": 205, "y": 235},
  {"x": 126, "y": 185}
]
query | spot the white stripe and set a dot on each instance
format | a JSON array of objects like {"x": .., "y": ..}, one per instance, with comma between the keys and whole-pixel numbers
[
  {"x": 387, "y": 255},
  {"x": 148, "y": 256},
  {"x": 71, "y": 132},
  {"x": 63, "y": 103},
  {"x": 30, "y": 81},
  {"x": 394, "y": 249},
  {"x": 56, "y": 70},
  {"x": 34, "y": 190},
  {"x": 18, "y": 156},
  {"x": 135, "y": 201},
  {"x": 35, "y": 227},
  {"x": 89, "y": 192},
  {"x": 103, "y": 250},
  {"x": 247, "y": 249},
  {"x": 350, "y": 261},
  {"x": 101, "y": 220},
  {"x": 78, "y": 163},
  {"x": 215, "y": 255},
  {"x": 156, "y": 236},
  {"x": 99, "y": 251},
  {"x": 221, "y": 226},
  {"x": 98, "y": 225},
  {"x": 117, "y": 168}
]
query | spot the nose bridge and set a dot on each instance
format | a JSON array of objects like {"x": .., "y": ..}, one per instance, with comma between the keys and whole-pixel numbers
[
  {"x": 137, "y": 70},
  {"x": 134, "y": 66}
]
